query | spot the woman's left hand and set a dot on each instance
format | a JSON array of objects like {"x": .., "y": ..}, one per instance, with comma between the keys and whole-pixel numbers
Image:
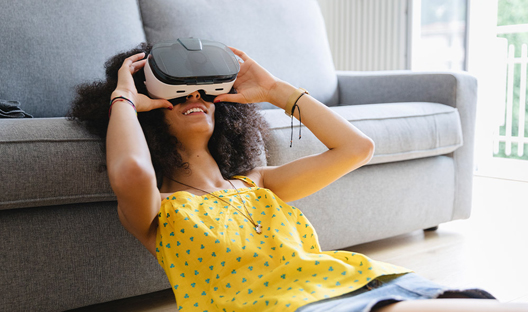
[{"x": 253, "y": 84}]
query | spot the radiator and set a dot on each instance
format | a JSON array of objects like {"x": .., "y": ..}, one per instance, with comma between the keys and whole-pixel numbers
[{"x": 367, "y": 34}]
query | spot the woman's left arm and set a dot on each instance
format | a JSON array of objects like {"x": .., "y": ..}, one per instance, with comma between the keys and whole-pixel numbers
[{"x": 348, "y": 147}]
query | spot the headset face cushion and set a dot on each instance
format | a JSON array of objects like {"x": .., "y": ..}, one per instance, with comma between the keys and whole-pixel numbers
[{"x": 206, "y": 97}]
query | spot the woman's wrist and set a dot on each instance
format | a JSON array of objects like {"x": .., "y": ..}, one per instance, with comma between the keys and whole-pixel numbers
[
  {"x": 119, "y": 99},
  {"x": 280, "y": 93},
  {"x": 118, "y": 93}
]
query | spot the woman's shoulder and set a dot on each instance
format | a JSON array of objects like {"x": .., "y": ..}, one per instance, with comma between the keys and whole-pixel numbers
[{"x": 255, "y": 176}]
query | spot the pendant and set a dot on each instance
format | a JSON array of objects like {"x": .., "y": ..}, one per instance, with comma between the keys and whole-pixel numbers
[{"x": 258, "y": 228}]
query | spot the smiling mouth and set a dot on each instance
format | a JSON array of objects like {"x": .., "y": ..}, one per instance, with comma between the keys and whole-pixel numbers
[{"x": 193, "y": 110}]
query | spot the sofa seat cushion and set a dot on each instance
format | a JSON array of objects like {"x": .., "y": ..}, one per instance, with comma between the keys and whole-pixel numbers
[
  {"x": 51, "y": 161},
  {"x": 291, "y": 31},
  {"x": 401, "y": 131}
]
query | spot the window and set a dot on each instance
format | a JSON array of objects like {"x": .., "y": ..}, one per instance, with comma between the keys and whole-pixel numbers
[{"x": 441, "y": 36}]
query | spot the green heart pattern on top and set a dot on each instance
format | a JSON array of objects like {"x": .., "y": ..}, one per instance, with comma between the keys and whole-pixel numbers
[{"x": 237, "y": 269}]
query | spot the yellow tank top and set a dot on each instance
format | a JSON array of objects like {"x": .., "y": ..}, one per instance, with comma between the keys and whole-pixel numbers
[{"x": 215, "y": 260}]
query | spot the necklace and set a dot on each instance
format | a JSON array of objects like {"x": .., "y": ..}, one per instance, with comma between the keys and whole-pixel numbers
[{"x": 258, "y": 226}]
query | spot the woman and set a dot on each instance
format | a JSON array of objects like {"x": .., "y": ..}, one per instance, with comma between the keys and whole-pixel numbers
[{"x": 189, "y": 189}]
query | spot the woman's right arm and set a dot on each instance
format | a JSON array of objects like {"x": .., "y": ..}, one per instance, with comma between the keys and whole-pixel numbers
[{"x": 130, "y": 169}]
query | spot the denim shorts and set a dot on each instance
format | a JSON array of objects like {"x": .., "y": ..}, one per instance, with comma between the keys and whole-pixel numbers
[{"x": 389, "y": 289}]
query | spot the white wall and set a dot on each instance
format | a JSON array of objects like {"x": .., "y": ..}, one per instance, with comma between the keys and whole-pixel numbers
[{"x": 368, "y": 34}]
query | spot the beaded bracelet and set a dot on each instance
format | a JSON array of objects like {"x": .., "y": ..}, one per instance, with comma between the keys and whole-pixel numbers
[{"x": 120, "y": 98}]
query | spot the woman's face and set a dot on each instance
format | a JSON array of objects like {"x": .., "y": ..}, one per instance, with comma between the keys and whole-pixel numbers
[{"x": 192, "y": 119}]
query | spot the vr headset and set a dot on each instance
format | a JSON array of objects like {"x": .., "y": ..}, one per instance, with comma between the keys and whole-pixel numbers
[{"x": 176, "y": 69}]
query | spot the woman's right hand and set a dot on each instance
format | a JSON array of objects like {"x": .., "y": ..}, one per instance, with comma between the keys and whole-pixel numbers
[{"x": 127, "y": 88}]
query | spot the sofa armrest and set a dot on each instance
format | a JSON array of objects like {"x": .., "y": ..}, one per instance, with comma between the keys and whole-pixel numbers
[
  {"x": 50, "y": 161},
  {"x": 456, "y": 89},
  {"x": 404, "y": 86}
]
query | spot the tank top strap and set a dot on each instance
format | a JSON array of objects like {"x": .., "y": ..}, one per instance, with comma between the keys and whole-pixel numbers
[{"x": 245, "y": 179}]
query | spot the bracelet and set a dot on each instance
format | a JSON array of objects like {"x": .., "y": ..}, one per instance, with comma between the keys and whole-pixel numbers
[
  {"x": 293, "y": 99},
  {"x": 290, "y": 109},
  {"x": 300, "y": 122},
  {"x": 117, "y": 99}
]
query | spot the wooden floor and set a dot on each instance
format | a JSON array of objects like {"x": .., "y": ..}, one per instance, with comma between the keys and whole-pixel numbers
[{"x": 489, "y": 250}]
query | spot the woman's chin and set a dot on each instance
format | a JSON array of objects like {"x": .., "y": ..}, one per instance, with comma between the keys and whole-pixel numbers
[{"x": 195, "y": 131}]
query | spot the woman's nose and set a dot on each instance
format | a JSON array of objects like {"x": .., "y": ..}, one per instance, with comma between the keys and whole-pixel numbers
[{"x": 194, "y": 95}]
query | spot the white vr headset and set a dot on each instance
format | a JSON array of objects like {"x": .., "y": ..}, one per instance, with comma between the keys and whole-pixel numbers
[{"x": 176, "y": 69}]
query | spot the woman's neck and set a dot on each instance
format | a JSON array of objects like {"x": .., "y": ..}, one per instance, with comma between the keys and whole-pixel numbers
[{"x": 202, "y": 173}]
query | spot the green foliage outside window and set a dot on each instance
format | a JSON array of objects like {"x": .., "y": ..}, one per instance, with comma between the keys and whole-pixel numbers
[{"x": 514, "y": 12}]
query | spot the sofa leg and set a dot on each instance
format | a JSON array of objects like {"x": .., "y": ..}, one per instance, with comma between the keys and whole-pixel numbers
[{"x": 431, "y": 229}]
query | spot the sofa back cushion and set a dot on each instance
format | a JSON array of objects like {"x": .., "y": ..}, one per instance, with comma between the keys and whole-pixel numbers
[
  {"x": 48, "y": 47},
  {"x": 288, "y": 38}
]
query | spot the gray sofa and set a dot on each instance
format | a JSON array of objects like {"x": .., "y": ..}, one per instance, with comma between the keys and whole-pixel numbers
[{"x": 62, "y": 245}]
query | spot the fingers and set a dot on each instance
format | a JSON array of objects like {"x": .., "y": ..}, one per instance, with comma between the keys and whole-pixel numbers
[
  {"x": 240, "y": 54},
  {"x": 134, "y": 63},
  {"x": 135, "y": 67},
  {"x": 145, "y": 103},
  {"x": 234, "y": 98},
  {"x": 160, "y": 103},
  {"x": 136, "y": 57}
]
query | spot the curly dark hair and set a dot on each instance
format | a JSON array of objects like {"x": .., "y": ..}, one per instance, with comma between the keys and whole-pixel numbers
[{"x": 236, "y": 143}]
